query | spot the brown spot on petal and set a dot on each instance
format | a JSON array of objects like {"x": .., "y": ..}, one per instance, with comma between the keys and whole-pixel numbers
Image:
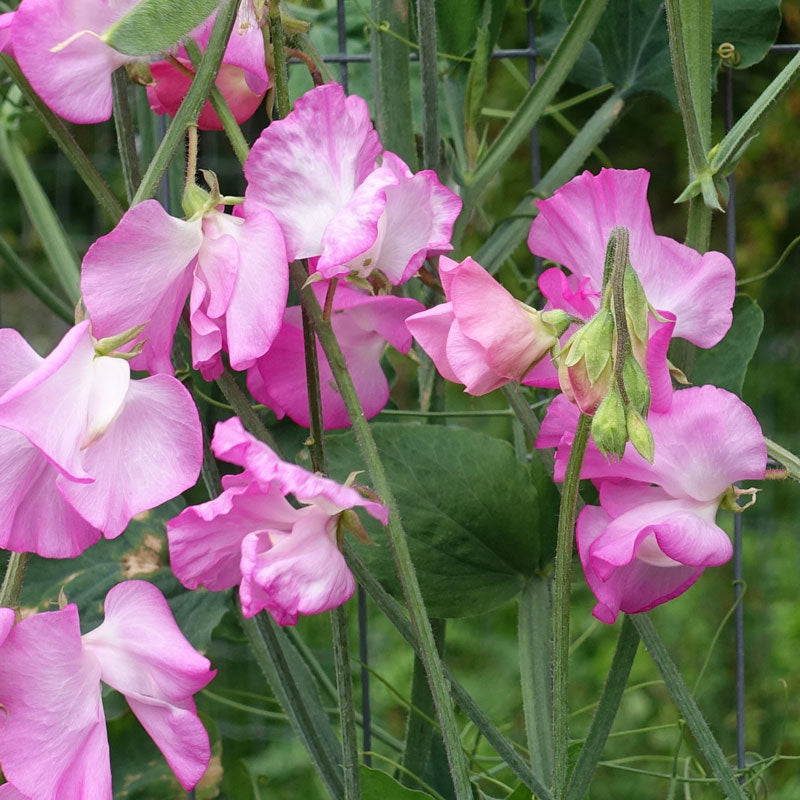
[{"x": 145, "y": 559}]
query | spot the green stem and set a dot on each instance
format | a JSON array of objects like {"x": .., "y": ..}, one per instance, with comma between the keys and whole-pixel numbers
[
  {"x": 698, "y": 227},
  {"x": 279, "y": 58},
  {"x": 419, "y": 730},
  {"x": 37, "y": 286},
  {"x": 535, "y": 643},
  {"x": 397, "y": 616},
  {"x": 12, "y": 582},
  {"x": 66, "y": 142},
  {"x": 688, "y": 707},
  {"x": 220, "y": 105},
  {"x": 190, "y": 107},
  {"x": 561, "y": 595},
  {"x": 126, "y": 138},
  {"x": 606, "y": 711},
  {"x": 396, "y": 536},
  {"x": 347, "y": 716},
  {"x": 429, "y": 78}
]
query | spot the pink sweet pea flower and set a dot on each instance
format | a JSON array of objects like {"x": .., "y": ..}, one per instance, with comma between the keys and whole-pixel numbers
[
  {"x": 654, "y": 531},
  {"x": 316, "y": 171},
  {"x": 284, "y": 559},
  {"x": 53, "y": 741},
  {"x": 693, "y": 292},
  {"x": 242, "y": 77},
  {"x": 85, "y": 447},
  {"x": 481, "y": 337},
  {"x": 75, "y": 78},
  {"x": 234, "y": 267},
  {"x": 363, "y": 324}
]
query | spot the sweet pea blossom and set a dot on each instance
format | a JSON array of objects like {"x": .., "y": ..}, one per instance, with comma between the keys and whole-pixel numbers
[
  {"x": 284, "y": 559},
  {"x": 233, "y": 267},
  {"x": 363, "y": 325},
  {"x": 84, "y": 447},
  {"x": 316, "y": 170},
  {"x": 58, "y": 46},
  {"x": 242, "y": 76},
  {"x": 53, "y": 740},
  {"x": 693, "y": 292},
  {"x": 482, "y": 337},
  {"x": 654, "y": 531}
]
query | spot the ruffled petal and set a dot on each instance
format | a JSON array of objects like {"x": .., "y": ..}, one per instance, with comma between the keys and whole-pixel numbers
[
  {"x": 298, "y": 573},
  {"x": 53, "y": 743},
  {"x": 143, "y": 654},
  {"x": 570, "y": 294},
  {"x": 158, "y": 253},
  {"x": 205, "y": 541},
  {"x": 151, "y": 453},
  {"x": 306, "y": 167}
]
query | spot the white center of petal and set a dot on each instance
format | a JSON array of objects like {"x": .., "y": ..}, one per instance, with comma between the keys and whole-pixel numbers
[
  {"x": 110, "y": 379},
  {"x": 649, "y": 552}
]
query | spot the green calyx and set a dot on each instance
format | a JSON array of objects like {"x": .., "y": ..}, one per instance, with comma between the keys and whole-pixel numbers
[
  {"x": 609, "y": 430},
  {"x": 111, "y": 344}
]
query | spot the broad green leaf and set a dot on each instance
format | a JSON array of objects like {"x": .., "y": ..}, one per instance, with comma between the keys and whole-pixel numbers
[
  {"x": 153, "y": 26},
  {"x": 377, "y": 785},
  {"x": 751, "y": 26},
  {"x": 725, "y": 364},
  {"x": 522, "y": 792},
  {"x": 140, "y": 553},
  {"x": 478, "y": 521},
  {"x": 458, "y": 22}
]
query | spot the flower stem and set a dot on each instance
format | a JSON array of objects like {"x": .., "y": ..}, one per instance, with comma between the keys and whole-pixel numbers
[
  {"x": 561, "y": 595},
  {"x": 126, "y": 137},
  {"x": 12, "y": 583},
  {"x": 279, "y": 57},
  {"x": 397, "y": 539}
]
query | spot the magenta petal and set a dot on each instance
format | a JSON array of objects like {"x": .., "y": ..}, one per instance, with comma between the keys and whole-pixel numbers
[
  {"x": 657, "y": 368},
  {"x": 569, "y": 294},
  {"x": 9, "y": 792},
  {"x": 205, "y": 541},
  {"x": 158, "y": 252},
  {"x": 49, "y": 406},
  {"x": 306, "y": 167},
  {"x": 635, "y": 587},
  {"x": 17, "y": 357},
  {"x": 5, "y": 33},
  {"x": 431, "y": 328},
  {"x": 143, "y": 654},
  {"x": 150, "y": 454},
  {"x": 7, "y": 619},
  {"x": 302, "y": 572},
  {"x": 75, "y": 82},
  {"x": 53, "y": 744}
]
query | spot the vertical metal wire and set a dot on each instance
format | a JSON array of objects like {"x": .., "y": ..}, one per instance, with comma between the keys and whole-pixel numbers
[
  {"x": 730, "y": 242},
  {"x": 536, "y": 155},
  {"x": 341, "y": 30}
]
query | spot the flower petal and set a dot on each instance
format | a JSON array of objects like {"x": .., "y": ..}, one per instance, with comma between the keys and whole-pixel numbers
[{"x": 431, "y": 328}]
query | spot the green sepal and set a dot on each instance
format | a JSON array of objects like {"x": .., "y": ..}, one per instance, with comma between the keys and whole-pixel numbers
[
  {"x": 637, "y": 387},
  {"x": 609, "y": 429},
  {"x": 639, "y": 434}
]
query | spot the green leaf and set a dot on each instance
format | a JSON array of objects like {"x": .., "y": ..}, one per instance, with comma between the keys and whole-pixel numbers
[
  {"x": 377, "y": 785},
  {"x": 153, "y": 26},
  {"x": 460, "y": 20},
  {"x": 751, "y": 26},
  {"x": 725, "y": 364},
  {"x": 522, "y": 792},
  {"x": 139, "y": 553},
  {"x": 478, "y": 521}
]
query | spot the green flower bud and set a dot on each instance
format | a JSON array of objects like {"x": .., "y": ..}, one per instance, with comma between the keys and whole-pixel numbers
[
  {"x": 195, "y": 201},
  {"x": 637, "y": 387},
  {"x": 609, "y": 430},
  {"x": 557, "y": 320},
  {"x": 639, "y": 434}
]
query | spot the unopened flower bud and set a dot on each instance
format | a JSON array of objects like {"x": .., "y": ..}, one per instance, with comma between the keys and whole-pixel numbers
[
  {"x": 609, "y": 429},
  {"x": 557, "y": 319},
  {"x": 585, "y": 368},
  {"x": 195, "y": 201},
  {"x": 637, "y": 387},
  {"x": 639, "y": 434}
]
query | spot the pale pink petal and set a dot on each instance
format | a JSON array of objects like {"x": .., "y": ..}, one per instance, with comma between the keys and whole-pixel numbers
[
  {"x": 431, "y": 328},
  {"x": 150, "y": 454},
  {"x": 17, "y": 358},
  {"x": 302, "y": 572},
  {"x": 559, "y": 422},
  {"x": 53, "y": 743},
  {"x": 447, "y": 269},
  {"x": 205, "y": 541},
  {"x": 633, "y": 588},
  {"x": 617, "y": 496},
  {"x": 9, "y": 792},
  {"x": 143, "y": 654},
  {"x": 75, "y": 82},
  {"x": 34, "y": 517},
  {"x": 419, "y": 218},
  {"x": 206, "y": 333},
  {"x": 109, "y": 386},
  {"x": 49, "y": 405},
  {"x": 218, "y": 260},
  {"x": 470, "y": 362},
  {"x": 142, "y": 272},
  {"x": 306, "y": 167}
]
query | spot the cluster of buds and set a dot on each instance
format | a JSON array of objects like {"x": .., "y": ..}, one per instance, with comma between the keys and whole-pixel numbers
[{"x": 602, "y": 366}]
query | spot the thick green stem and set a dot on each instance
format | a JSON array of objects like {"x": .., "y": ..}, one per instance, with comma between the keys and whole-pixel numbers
[
  {"x": 396, "y": 536},
  {"x": 126, "y": 137},
  {"x": 12, "y": 582},
  {"x": 279, "y": 58},
  {"x": 347, "y": 715},
  {"x": 66, "y": 142},
  {"x": 535, "y": 643},
  {"x": 190, "y": 107},
  {"x": 561, "y": 595},
  {"x": 698, "y": 226},
  {"x": 606, "y": 711},
  {"x": 429, "y": 78}
]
